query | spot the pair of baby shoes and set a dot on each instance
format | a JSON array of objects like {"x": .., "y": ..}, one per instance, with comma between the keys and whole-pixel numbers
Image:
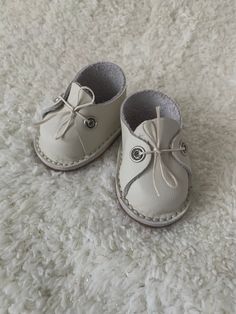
[{"x": 153, "y": 176}]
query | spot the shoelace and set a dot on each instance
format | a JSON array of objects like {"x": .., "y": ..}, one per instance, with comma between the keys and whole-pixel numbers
[
  {"x": 154, "y": 138},
  {"x": 73, "y": 111}
]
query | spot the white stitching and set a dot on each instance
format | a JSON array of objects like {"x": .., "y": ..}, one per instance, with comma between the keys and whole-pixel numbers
[{"x": 74, "y": 163}]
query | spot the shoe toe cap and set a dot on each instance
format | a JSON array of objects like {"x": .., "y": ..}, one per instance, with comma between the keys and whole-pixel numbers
[
  {"x": 170, "y": 202},
  {"x": 66, "y": 149}
]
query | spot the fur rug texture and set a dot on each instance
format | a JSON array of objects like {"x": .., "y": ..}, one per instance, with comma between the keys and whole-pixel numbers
[{"x": 65, "y": 244}]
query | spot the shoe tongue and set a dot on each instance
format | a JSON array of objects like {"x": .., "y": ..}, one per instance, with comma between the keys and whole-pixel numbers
[
  {"x": 165, "y": 133},
  {"x": 78, "y": 95}
]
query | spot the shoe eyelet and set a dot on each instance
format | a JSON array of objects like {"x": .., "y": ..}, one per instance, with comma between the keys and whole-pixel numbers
[
  {"x": 57, "y": 99},
  {"x": 185, "y": 148},
  {"x": 90, "y": 122},
  {"x": 137, "y": 154}
]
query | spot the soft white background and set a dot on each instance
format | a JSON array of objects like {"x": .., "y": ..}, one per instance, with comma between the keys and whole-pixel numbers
[{"x": 65, "y": 244}]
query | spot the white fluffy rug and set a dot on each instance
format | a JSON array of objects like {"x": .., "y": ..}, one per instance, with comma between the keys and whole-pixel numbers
[{"x": 65, "y": 244}]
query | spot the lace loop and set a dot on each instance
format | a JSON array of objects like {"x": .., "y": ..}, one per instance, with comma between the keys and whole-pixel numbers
[
  {"x": 73, "y": 112},
  {"x": 154, "y": 138}
]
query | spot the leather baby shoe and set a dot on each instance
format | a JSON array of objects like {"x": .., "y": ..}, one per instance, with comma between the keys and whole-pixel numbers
[
  {"x": 153, "y": 173},
  {"x": 84, "y": 120}
]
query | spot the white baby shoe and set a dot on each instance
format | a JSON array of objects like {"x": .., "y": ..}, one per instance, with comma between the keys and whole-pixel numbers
[
  {"x": 153, "y": 173},
  {"x": 85, "y": 120}
]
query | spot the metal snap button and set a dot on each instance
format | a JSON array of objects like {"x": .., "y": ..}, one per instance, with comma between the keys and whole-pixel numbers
[
  {"x": 137, "y": 154},
  {"x": 90, "y": 123}
]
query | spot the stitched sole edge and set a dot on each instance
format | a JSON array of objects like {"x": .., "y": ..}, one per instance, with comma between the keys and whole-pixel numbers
[
  {"x": 55, "y": 165},
  {"x": 136, "y": 215}
]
